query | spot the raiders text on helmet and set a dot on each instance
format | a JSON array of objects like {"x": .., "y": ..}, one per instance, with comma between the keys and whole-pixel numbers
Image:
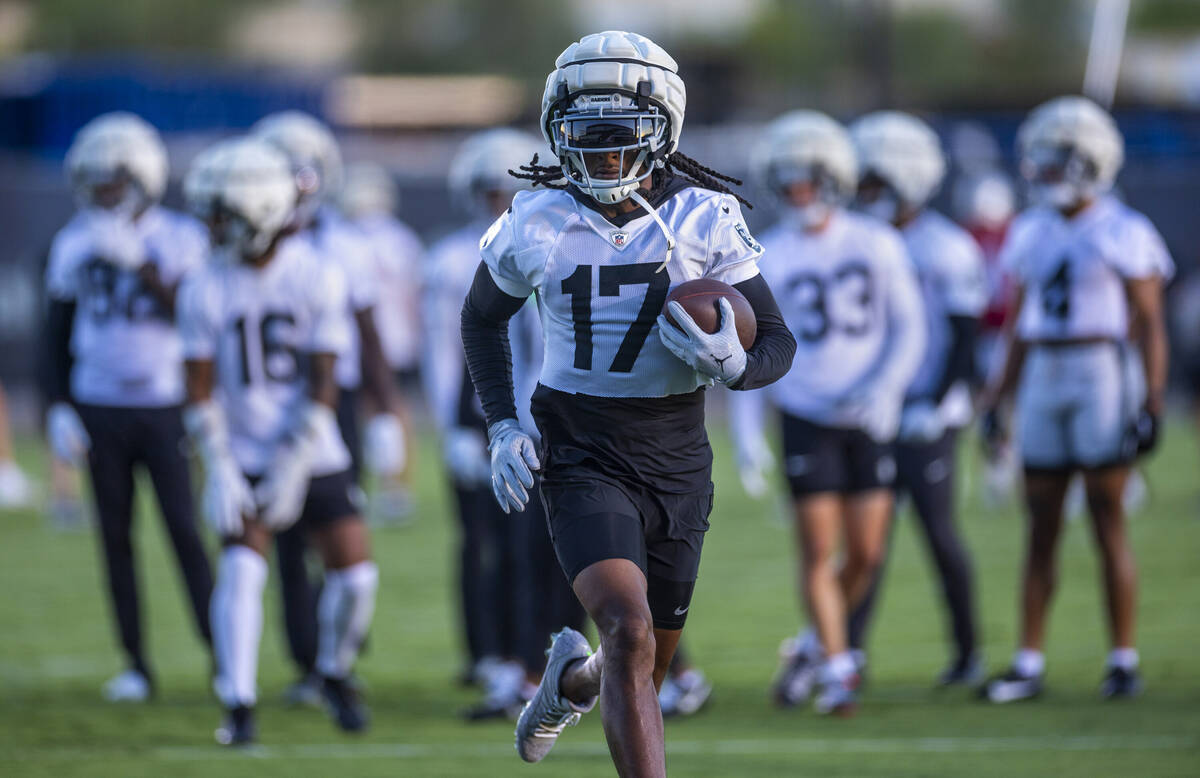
[{"x": 613, "y": 92}]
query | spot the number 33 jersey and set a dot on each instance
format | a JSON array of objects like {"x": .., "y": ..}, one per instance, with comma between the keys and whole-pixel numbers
[
  {"x": 600, "y": 289},
  {"x": 842, "y": 291},
  {"x": 259, "y": 325},
  {"x": 1073, "y": 271}
]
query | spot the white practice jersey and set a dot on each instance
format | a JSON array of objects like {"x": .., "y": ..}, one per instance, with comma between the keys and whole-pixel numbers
[
  {"x": 1073, "y": 271},
  {"x": 950, "y": 269},
  {"x": 124, "y": 342},
  {"x": 599, "y": 287},
  {"x": 338, "y": 242},
  {"x": 453, "y": 262},
  {"x": 398, "y": 257},
  {"x": 851, "y": 298},
  {"x": 258, "y": 326}
]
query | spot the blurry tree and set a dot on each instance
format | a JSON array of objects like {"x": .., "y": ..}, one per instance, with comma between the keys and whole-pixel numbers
[
  {"x": 133, "y": 25},
  {"x": 1165, "y": 16}
]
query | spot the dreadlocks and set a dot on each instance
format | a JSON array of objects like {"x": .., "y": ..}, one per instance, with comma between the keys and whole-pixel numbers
[{"x": 551, "y": 176}]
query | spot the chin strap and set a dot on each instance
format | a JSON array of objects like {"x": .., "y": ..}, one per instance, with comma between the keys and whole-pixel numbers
[{"x": 636, "y": 196}]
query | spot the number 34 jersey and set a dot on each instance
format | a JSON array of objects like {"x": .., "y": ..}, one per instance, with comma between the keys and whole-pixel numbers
[
  {"x": 126, "y": 348},
  {"x": 845, "y": 293},
  {"x": 1073, "y": 271},
  {"x": 259, "y": 325},
  {"x": 600, "y": 288}
]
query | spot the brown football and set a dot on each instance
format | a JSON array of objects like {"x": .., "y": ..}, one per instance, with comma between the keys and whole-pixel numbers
[{"x": 699, "y": 298}]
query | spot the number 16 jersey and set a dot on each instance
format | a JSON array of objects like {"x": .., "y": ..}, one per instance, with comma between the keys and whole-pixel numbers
[
  {"x": 600, "y": 289},
  {"x": 259, "y": 326}
]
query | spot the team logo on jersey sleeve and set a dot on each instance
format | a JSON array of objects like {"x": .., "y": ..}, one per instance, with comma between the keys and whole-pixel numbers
[
  {"x": 747, "y": 238},
  {"x": 619, "y": 238}
]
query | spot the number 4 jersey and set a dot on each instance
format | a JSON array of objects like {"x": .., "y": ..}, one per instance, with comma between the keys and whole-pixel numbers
[
  {"x": 1073, "y": 270},
  {"x": 259, "y": 325},
  {"x": 123, "y": 339},
  {"x": 845, "y": 293},
  {"x": 600, "y": 287}
]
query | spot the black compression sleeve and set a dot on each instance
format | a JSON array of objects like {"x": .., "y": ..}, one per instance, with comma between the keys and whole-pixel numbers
[
  {"x": 485, "y": 316},
  {"x": 960, "y": 358},
  {"x": 770, "y": 357},
  {"x": 56, "y": 354}
]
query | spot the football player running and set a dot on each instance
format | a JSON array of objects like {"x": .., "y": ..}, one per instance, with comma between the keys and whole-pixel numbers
[
  {"x": 261, "y": 326},
  {"x": 116, "y": 361},
  {"x": 1089, "y": 272},
  {"x": 848, "y": 292},
  {"x": 900, "y": 168},
  {"x": 368, "y": 201},
  {"x": 624, "y": 456},
  {"x": 316, "y": 164}
]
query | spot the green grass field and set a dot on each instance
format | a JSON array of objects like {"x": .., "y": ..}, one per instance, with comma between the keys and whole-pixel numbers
[{"x": 57, "y": 647}]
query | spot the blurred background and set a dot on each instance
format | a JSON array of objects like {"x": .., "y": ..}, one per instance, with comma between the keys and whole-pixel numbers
[{"x": 403, "y": 81}]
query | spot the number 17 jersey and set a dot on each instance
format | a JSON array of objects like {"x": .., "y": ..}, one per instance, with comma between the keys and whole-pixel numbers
[
  {"x": 600, "y": 287},
  {"x": 259, "y": 326}
]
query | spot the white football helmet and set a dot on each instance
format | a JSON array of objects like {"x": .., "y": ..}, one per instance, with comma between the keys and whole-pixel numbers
[
  {"x": 613, "y": 93},
  {"x": 117, "y": 161},
  {"x": 369, "y": 189},
  {"x": 905, "y": 154},
  {"x": 807, "y": 146},
  {"x": 313, "y": 152},
  {"x": 1070, "y": 150},
  {"x": 482, "y": 164},
  {"x": 244, "y": 189}
]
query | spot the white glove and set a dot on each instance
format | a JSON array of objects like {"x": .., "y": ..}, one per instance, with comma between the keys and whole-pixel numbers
[
  {"x": 226, "y": 498},
  {"x": 69, "y": 439},
  {"x": 754, "y": 462},
  {"x": 922, "y": 422},
  {"x": 466, "y": 454},
  {"x": 718, "y": 356},
  {"x": 384, "y": 445},
  {"x": 875, "y": 410},
  {"x": 513, "y": 462},
  {"x": 281, "y": 493},
  {"x": 115, "y": 239}
]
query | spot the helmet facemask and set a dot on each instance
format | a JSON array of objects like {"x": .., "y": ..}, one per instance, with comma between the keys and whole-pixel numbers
[
  {"x": 112, "y": 190},
  {"x": 877, "y": 197},
  {"x": 824, "y": 194},
  {"x": 1059, "y": 177},
  {"x": 609, "y": 142}
]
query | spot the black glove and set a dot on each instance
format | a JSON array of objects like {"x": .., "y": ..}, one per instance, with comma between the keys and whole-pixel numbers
[{"x": 1146, "y": 429}]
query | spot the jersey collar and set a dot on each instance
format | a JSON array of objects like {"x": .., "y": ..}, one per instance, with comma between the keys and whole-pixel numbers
[{"x": 673, "y": 185}]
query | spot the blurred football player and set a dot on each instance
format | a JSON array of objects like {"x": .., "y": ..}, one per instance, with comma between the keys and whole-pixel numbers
[
  {"x": 504, "y": 559},
  {"x": 262, "y": 325},
  {"x": 369, "y": 200},
  {"x": 1089, "y": 272},
  {"x": 848, "y": 291},
  {"x": 116, "y": 383},
  {"x": 900, "y": 169},
  {"x": 317, "y": 165},
  {"x": 625, "y": 460}
]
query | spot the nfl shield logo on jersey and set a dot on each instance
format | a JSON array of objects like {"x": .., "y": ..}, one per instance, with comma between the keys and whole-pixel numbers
[{"x": 619, "y": 238}]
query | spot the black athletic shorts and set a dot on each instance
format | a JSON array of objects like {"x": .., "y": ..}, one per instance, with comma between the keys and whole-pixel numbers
[
  {"x": 830, "y": 459},
  {"x": 330, "y": 497},
  {"x": 628, "y": 478}
]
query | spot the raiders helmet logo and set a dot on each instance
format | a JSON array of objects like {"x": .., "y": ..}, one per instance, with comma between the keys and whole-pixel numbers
[{"x": 619, "y": 238}]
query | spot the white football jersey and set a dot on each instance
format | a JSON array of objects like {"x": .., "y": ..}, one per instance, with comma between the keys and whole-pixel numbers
[
  {"x": 1073, "y": 271},
  {"x": 453, "y": 262},
  {"x": 398, "y": 257},
  {"x": 125, "y": 345},
  {"x": 846, "y": 293},
  {"x": 258, "y": 326},
  {"x": 338, "y": 242},
  {"x": 950, "y": 269},
  {"x": 600, "y": 289}
]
